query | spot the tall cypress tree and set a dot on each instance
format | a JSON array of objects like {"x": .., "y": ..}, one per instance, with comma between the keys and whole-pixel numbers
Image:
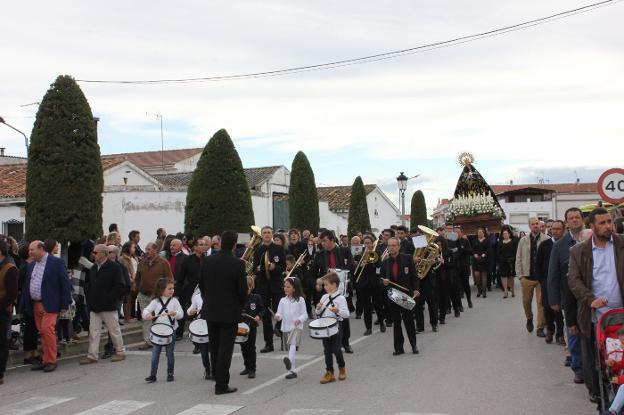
[
  {"x": 218, "y": 196},
  {"x": 359, "y": 220},
  {"x": 418, "y": 213},
  {"x": 64, "y": 183},
  {"x": 303, "y": 204}
]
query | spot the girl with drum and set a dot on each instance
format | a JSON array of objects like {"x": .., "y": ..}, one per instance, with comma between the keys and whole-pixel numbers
[
  {"x": 292, "y": 312},
  {"x": 204, "y": 347},
  {"x": 164, "y": 311},
  {"x": 334, "y": 305}
]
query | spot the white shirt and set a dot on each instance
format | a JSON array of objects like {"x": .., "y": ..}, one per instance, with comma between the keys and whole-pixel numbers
[
  {"x": 155, "y": 307},
  {"x": 290, "y": 310},
  {"x": 196, "y": 303},
  {"x": 604, "y": 277},
  {"x": 339, "y": 301}
]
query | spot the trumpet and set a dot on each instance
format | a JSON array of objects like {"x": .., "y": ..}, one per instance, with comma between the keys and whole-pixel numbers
[
  {"x": 297, "y": 263},
  {"x": 429, "y": 255},
  {"x": 249, "y": 251},
  {"x": 368, "y": 257}
]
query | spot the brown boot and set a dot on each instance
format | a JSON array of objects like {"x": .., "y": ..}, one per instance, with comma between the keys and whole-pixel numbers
[
  {"x": 342, "y": 373},
  {"x": 118, "y": 357},
  {"x": 329, "y": 377}
]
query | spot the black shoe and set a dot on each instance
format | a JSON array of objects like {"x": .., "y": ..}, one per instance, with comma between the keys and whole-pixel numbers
[
  {"x": 397, "y": 352},
  {"x": 442, "y": 321},
  {"x": 540, "y": 333},
  {"x": 150, "y": 379},
  {"x": 32, "y": 360},
  {"x": 107, "y": 355},
  {"x": 49, "y": 367},
  {"x": 388, "y": 323},
  {"x": 434, "y": 329},
  {"x": 382, "y": 328},
  {"x": 376, "y": 322},
  {"x": 420, "y": 329},
  {"x": 485, "y": 294},
  {"x": 457, "y": 313},
  {"x": 196, "y": 349},
  {"x": 348, "y": 349},
  {"x": 461, "y": 309},
  {"x": 568, "y": 361},
  {"x": 38, "y": 366},
  {"x": 179, "y": 337},
  {"x": 287, "y": 363},
  {"x": 245, "y": 372},
  {"x": 415, "y": 350},
  {"x": 170, "y": 377},
  {"x": 208, "y": 375},
  {"x": 479, "y": 294},
  {"x": 529, "y": 325},
  {"x": 224, "y": 391},
  {"x": 368, "y": 332},
  {"x": 291, "y": 375},
  {"x": 448, "y": 311},
  {"x": 469, "y": 303},
  {"x": 252, "y": 374},
  {"x": 358, "y": 317},
  {"x": 267, "y": 349}
]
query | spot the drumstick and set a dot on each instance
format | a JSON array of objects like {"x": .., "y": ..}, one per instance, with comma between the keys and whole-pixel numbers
[{"x": 401, "y": 287}]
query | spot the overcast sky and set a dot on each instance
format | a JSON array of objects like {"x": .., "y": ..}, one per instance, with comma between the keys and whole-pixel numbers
[{"x": 542, "y": 102}]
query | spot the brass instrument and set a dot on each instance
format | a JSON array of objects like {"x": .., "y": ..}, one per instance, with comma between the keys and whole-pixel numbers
[
  {"x": 385, "y": 254},
  {"x": 267, "y": 264},
  {"x": 255, "y": 240},
  {"x": 429, "y": 255},
  {"x": 368, "y": 257},
  {"x": 297, "y": 263}
]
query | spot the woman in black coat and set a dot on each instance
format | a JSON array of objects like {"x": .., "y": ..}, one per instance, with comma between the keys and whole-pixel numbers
[
  {"x": 480, "y": 261},
  {"x": 506, "y": 248}
]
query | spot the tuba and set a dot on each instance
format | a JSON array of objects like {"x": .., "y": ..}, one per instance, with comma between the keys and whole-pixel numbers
[
  {"x": 255, "y": 240},
  {"x": 429, "y": 255}
]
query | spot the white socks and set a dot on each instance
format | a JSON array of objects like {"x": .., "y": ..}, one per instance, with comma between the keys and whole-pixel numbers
[{"x": 291, "y": 356}]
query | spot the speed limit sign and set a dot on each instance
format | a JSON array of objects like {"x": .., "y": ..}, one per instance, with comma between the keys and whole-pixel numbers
[{"x": 611, "y": 186}]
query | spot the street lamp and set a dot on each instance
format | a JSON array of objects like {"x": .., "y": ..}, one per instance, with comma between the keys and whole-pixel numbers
[
  {"x": 162, "y": 140},
  {"x": 402, "y": 182},
  {"x": 2, "y": 121}
]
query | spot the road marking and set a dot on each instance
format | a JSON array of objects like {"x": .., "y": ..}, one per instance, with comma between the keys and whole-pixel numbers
[
  {"x": 209, "y": 409},
  {"x": 116, "y": 408},
  {"x": 298, "y": 369},
  {"x": 418, "y": 413},
  {"x": 30, "y": 405},
  {"x": 190, "y": 354},
  {"x": 313, "y": 412}
]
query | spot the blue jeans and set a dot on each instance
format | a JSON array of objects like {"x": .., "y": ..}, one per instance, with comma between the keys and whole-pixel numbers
[
  {"x": 618, "y": 401},
  {"x": 156, "y": 357},
  {"x": 574, "y": 347}
]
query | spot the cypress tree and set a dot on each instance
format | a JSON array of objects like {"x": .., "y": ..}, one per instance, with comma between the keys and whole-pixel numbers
[
  {"x": 418, "y": 215},
  {"x": 218, "y": 196},
  {"x": 358, "y": 209},
  {"x": 64, "y": 183},
  {"x": 303, "y": 205}
]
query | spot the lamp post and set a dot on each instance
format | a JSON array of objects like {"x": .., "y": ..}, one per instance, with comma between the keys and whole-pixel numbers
[
  {"x": 402, "y": 182},
  {"x": 2, "y": 121},
  {"x": 162, "y": 140}
]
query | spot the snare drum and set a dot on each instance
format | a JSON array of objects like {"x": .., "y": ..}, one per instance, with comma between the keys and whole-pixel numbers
[
  {"x": 242, "y": 334},
  {"x": 401, "y": 299},
  {"x": 161, "y": 334},
  {"x": 323, "y": 328},
  {"x": 198, "y": 331}
]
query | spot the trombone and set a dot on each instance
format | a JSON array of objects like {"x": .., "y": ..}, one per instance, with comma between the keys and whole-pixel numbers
[
  {"x": 368, "y": 257},
  {"x": 297, "y": 263}
]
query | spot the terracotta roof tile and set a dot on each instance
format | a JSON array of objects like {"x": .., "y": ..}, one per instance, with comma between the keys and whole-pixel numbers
[
  {"x": 12, "y": 181},
  {"x": 339, "y": 197},
  {"x": 147, "y": 159},
  {"x": 559, "y": 188}
]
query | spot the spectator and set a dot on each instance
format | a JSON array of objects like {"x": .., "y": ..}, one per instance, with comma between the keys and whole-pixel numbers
[
  {"x": 507, "y": 247},
  {"x": 480, "y": 262},
  {"x": 176, "y": 260},
  {"x": 113, "y": 238},
  {"x": 31, "y": 335},
  {"x": 188, "y": 277},
  {"x": 131, "y": 264},
  {"x": 161, "y": 234},
  {"x": 216, "y": 244},
  {"x": 9, "y": 276},
  {"x": 113, "y": 228},
  {"x": 48, "y": 294},
  {"x": 135, "y": 237}
]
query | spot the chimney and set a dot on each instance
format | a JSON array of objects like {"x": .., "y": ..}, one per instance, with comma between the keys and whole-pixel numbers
[
  {"x": 577, "y": 179},
  {"x": 511, "y": 182},
  {"x": 2, "y": 151}
]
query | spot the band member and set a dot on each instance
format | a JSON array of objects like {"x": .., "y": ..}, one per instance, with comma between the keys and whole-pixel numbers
[
  {"x": 444, "y": 274},
  {"x": 429, "y": 293},
  {"x": 368, "y": 283},
  {"x": 295, "y": 245},
  {"x": 252, "y": 314},
  {"x": 464, "y": 253},
  {"x": 290, "y": 268},
  {"x": 382, "y": 250},
  {"x": 407, "y": 247},
  {"x": 399, "y": 269},
  {"x": 334, "y": 257},
  {"x": 269, "y": 264}
]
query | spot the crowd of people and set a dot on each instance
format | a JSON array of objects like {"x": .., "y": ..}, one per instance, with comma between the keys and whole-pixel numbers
[{"x": 280, "y": 279}]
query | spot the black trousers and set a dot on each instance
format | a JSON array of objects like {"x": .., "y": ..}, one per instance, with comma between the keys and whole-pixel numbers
[
  {"x": 185, "y": 303},
  {"x": 401, "y": 314},
  {"x": 359, "y": 304},
  {"x": 368, "y": 296},
  {"x": 248, "y": 349},
  {"x": 345, "y": 327},
  {"x": 5, "y": 323},
  {"x": 588, "y": 356},
  {"x": 31, "y": 335},
  {"x": 428, "y": 293},
  {"x": 270, "y": 299},
  {"x": 384, "y": 304},
  {"x": 554, "y": 319},
  {"x": 444, "y": 299},
  {"x": 222, "y": 336},
  {"x": 331, "y": 348},
  {"x": 464, "y": 281}
]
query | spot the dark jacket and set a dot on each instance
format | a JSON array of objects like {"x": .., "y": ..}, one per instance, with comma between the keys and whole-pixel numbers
[
  {"x": 188, "y": 277},
  {"x": 406, "y": 275},
  {"x": 580, "y": 276},
  {"x": 223, "y": 286},
  {"x": 464, "y": 252},
  {"x": 543, "y": 258},
  {"x": 253, "y": 307},
  {"x": 276, "y": 255},
  {"x": 180, "y": 257},
  {"x": 297, "y": 249},
  {"x": 370, "y": 276},
  {"x": 558, "y": 290},
  {"x": 104, "y": 288},
  {"x": 407, "y": 247},
  {"x": 342, "y": 256},
  {"x": 480, "y": 247},
  {"x": 55, "y": 287}
]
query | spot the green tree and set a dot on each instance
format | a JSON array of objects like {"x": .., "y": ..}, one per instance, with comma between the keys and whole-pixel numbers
[
  {"x": 418, "y": 215},
  {"x": 218, "y": 196},
  {"x": 64, "y": 183},
  {"x": 359, "y": 220},
  {"x": 303, "y": 204}
]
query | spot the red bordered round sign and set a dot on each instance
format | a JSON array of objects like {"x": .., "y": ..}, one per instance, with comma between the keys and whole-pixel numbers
[{"x": 611, "y": 185}]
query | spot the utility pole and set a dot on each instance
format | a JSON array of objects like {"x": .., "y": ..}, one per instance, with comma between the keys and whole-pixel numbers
[{"x": 162, "y": 139}]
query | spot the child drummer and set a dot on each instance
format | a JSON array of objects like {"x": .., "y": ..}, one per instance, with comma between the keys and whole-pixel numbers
[
  {"x": 252, "y": 315},
  {"x": 204, "y": 348},
  {"x": 333, "y": 304}
]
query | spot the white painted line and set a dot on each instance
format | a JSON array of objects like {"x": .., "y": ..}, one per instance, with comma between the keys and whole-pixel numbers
[
  {"x": 298, "y": 369},
  {"x": 116, "y": 408},
  {"x": 30, "y": 405},
  {"x": 418, "y": 413},
  {"x": 190, "y": 354},
  {"x": 313, "y": 412},
  {"x": 209, "y": 409}
]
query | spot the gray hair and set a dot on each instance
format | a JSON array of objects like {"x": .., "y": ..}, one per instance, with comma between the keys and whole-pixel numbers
[
  {"x": 101, "y": 248},
  {"x": 113, "y": 249}
]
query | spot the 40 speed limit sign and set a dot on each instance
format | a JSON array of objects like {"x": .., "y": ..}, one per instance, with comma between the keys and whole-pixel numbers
[{"x": 611, "y": 186}]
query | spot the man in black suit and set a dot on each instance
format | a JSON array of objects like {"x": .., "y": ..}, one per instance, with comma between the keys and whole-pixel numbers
[
  {"x": 269, "y": 280},
  {"x": 399, "y": 269},
  {"x": 334, "y": 257},
  {"x": 223, "y": 286}
]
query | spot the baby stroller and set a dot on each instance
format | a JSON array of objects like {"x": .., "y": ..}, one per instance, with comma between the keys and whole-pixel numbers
[{"x": 606, "y": 328}]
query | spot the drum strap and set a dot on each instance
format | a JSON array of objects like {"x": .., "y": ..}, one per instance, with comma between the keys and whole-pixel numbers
[
  {"x": 164, "y": 309},
  {"x": 329, "y": 302}
]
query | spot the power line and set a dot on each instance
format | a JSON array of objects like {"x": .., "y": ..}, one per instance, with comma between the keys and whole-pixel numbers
[{"x": 371, "y": 58}]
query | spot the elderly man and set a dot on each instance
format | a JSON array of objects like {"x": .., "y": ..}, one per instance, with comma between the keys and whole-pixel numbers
[
  {"x": 526, "y": 270},
  {"x": 596, "y": 278},
  {"x": 216, "y": 243},
  {"x": 152, "y": 268},
  {"x": 104, "y": 289},
  {"x": 46, "y": 293},
  {"x": 9, "y": 276}
]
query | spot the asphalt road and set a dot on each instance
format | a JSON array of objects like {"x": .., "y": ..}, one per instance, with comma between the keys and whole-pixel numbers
[{"x": 482, "y": 363}]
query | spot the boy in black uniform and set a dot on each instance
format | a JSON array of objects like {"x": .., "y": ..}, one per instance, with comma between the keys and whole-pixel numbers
[
  {"x": 253, "y": 312},
  {"x": 290, "y": 264}
]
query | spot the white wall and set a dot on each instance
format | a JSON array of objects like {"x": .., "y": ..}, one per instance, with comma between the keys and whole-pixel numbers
[
  {"x": 387, "y": 214},
  {"x": 115, "y": 175},
  {"x": 10, "y": 212},
  {"x": 262, "y": 209},
  {"x": 188, "y": 164},
  {"x": 331, "y": 220}
]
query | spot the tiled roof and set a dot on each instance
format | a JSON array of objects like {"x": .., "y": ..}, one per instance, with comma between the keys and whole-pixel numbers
[
  {"x": 147, "y": 159},
  {"x": 12, "y": 181},
  {"x": 339, "y": 197},
  {"x": 559, "y": 188},
  {"x": 111, "y": 161},
  {"x": 255, "y": 176},
  {"x": 174, "y": 179}
]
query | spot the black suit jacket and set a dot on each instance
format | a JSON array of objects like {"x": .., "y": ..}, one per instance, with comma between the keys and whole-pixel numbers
[
  {"x": 407, "y": 272},
  {"x": 297, "y": 249},
  {"x": 277, "y": 256},
  {"x": 188, "y": 277},
  {"x": 223, "y": 286},
  {"x": 342, "y": 256},
  {"x": 104, "y": 288},
  {"x": 558, "y": 289}
]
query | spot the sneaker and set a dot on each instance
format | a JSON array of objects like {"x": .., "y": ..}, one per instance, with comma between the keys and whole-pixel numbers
[
  {"x": 328, "y": 378},
  {"x": 170, "y": 377},
  {"x": 118, "y": 357},
  {"x": 150, "y": 379},
  {"x": 342, "y": 373},
  {"x": 287, "y": 363},
  {"x": 291, "y": 375},
  {"x": 87, "y": 361}
]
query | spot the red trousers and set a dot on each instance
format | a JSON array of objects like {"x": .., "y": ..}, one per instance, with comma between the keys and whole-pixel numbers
[{"x": 46, "y": 325}]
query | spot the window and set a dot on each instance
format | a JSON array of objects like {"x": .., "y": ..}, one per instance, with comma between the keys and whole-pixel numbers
[
  {"x": 14, "y": 228},
  {"x": 376, "y": 213}
]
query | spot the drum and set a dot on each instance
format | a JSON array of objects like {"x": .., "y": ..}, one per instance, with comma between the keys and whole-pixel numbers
[
  {"x": 343, "y": 276},
  {"x": 198, "y": 331},
  {"x": 323, "y": 328},
  {"x": 401, "y": 299},
  {"x": 161, "y": 334},
  {"x": 242, "y": 334}
]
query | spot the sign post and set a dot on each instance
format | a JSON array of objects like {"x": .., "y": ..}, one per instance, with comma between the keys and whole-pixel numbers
[{"x": 611, "y": 186}]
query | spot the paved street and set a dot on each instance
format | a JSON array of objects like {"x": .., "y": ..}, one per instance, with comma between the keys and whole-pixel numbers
[{"x": 482, "y": 363}]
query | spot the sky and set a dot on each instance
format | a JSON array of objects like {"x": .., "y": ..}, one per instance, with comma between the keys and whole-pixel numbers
[{"x": 541, "y": 103}]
